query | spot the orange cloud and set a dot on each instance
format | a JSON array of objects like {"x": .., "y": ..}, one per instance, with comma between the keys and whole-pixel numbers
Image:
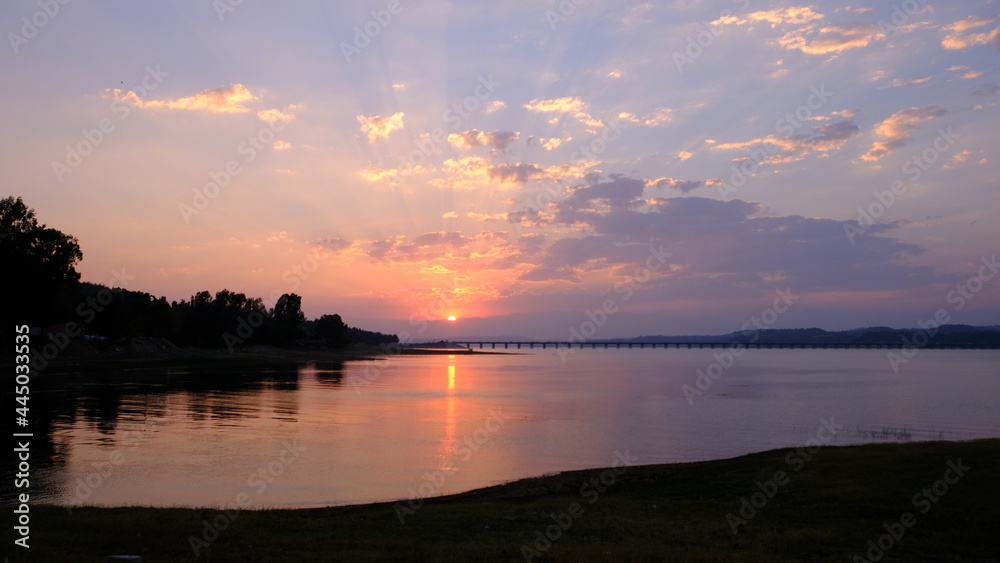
[
  {"x": 959, "y": 39},
  {"x": 897, "y": 129},
  {"x": 828, "y": 136},
  {"x": 273, "y": 115},
  {"x": 228, "y": 99},
  {"x": 572, "y": 105},
  {"x": 378, "y": 174},
  {"x": 495, "y": 105},
  {"x": 658, "y": 117},
  {"x": 794, "y": 15},
  {"x": 830, "y": 39},
  {"x": 378, "y": 127}
]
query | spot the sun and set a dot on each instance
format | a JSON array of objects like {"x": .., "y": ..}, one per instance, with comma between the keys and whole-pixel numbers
[{"x": 452, "y": 318}]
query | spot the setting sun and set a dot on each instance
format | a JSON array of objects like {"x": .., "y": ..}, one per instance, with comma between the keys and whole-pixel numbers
[{"x": 452, "y": 318}]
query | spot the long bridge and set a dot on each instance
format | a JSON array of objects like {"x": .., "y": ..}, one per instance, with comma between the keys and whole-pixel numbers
[{"x": 493, "y": 345}]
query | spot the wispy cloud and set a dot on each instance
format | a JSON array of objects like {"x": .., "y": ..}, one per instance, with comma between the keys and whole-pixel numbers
[
  {"x": 830, "y": 135},
  {"x": 897, "y": 129},
  {"x": 792, "y": 15},
  {"x": 830, "y": 39},
  {"x": 902, "y": 83},
  {"x": 958, "y": 38},
  {"x": 228, "y": 99}
]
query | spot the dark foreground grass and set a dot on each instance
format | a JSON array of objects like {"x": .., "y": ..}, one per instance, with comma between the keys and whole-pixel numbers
[{"x": 842, "y": 498}]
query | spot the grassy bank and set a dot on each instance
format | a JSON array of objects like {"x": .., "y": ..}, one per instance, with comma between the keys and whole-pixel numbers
[{"x": 827, "y": 511}]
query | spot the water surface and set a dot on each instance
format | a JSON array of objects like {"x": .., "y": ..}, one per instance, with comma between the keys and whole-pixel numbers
[{"x": 326, "y": 434}]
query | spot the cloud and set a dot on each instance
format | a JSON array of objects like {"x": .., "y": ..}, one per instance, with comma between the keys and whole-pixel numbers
[
  {"x": 684, "y": 186},
  {"x": 986, "y": 90},
  {"x": 562, "y": 105},
  {"x": 495, "y": 105},
  {"x": 830, "y": 39},
  {"x": 654, "y": 119},
  {"x": 378, "y": 127},
  {"x": 809, "y": 36},
  {"x": 658, "y": 117},
  {"x": 514, "y": 173},
  {"x": 499, "y": 140},
  {"x": 474, "y": 172},
  {"x": 228, "y": 99},
  {"x": 684, "y": 155},
  {"x": 970, "y": 23},
  {"x": 549, "y": 274},
  {"x": 829, "y": 136},
  {"x": 793, "y": 15},
  {"x": 958, "y": 38},
  {"x": 274, "y": 115},
  {"x": 447, "y": 248},
  {"x": 706, "y": 247},
  {"x": 280, "y": 145},
  {"x": 959, "y": 158},
  {"x": 379, "y": 174},
  {"x": 898, "y": 128},
  {"x": 900, "y": 83},
  {"x": 570, "y": 105}
]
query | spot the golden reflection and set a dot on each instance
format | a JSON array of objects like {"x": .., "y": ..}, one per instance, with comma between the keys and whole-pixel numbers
[{"x": 448, "y": 455}]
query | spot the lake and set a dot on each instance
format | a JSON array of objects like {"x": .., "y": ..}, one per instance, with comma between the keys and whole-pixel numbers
[{"x": 331, "y": 434}]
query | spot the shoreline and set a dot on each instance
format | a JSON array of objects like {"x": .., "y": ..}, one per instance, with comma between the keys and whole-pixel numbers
[
  {"x": 82, "y": 359},
  {"x": 829, "y": 511}
]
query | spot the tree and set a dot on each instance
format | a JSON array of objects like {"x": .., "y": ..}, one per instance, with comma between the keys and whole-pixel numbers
[
  {"x": 38, "y": 276},
  {"x": 287, "y": 317},
  {"x": 331, "y": 328}
]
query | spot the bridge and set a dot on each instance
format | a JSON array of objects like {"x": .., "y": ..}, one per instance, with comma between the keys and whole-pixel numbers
[{"x": 493, "y": 345}]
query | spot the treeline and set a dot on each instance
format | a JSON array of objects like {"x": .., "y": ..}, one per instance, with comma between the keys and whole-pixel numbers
[
  {"x": 40, "y": 287},
  {"x": 226, "y": 319}
]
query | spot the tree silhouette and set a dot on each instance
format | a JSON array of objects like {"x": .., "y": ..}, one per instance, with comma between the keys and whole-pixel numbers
[
  {"x": 38, "y": 277},
  {"x": 332, "y": 330},
  {"x": 287, "y": 317}
]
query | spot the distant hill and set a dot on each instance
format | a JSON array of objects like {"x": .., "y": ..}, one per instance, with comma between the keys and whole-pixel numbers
[{"x": 945, "y": 335}]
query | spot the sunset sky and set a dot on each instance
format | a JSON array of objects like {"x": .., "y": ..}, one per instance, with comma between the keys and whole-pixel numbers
[{"x": 518, "y": 164}]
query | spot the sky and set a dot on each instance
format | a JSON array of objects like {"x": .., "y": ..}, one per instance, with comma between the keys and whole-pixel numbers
[{"x": 533, "y": 168}]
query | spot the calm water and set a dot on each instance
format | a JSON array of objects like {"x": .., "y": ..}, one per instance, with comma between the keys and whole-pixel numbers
[{"x": 324, "y": 434}]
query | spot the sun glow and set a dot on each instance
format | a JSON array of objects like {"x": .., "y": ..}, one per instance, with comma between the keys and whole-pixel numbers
[{"x": 452, "y": 318}]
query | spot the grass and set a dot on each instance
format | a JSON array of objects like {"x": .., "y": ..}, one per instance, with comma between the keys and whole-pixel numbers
[{"x": 828, "y": 511}]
